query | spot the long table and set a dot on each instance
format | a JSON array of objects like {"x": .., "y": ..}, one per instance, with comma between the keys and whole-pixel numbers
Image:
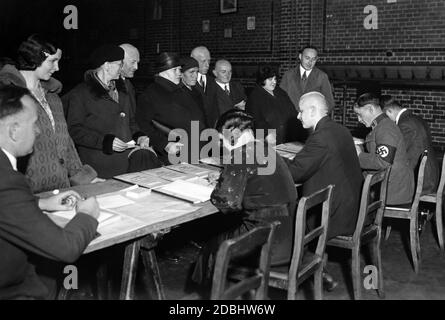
[{"x": 139, "y": 225}]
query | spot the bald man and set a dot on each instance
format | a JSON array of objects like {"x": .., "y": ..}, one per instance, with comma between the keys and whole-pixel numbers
[
  {"x": 328, "y": 157},
  {"x": 129, "y": 67}
]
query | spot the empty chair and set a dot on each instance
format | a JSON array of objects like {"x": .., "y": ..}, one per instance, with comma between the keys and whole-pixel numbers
[
  {"x": 368, "y": 229},
  {"x": 304, "y": 263},
  {"x": 437, "y": 199},
  {"x": 410, "y": 214},
  {"x": 255, "y": 245}
]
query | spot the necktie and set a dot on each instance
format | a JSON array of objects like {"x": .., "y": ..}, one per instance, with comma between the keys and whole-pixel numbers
[
  {"x": 202, "y": 83},
  {"x": 304, "y": 77},
  {"x": 226, "y": 89}
]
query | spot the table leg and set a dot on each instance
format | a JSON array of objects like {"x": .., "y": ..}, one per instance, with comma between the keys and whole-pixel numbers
[
  {"x": 151, "y": 266},
  {"x": 131, "y": 258}
]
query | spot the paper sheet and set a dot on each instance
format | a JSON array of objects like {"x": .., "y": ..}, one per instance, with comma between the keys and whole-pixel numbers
[{"x": 113, "y": 201}]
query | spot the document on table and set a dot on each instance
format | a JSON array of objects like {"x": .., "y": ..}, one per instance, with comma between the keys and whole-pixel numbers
[
  {"x": 292, "y": 147},
  {"x": 142, "y": 179},
  {"x": 113, "y": 201},
  {"x": 167, "y": 174},
  {"x": 61, "y": 218},
  {"x": 190, "y": 169},
  {"x": 187, "y": 190}
]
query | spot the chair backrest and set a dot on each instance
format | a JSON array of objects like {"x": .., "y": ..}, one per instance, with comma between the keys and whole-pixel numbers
[
  {"x": 301, "y": 239},
  {"x": 419, "y": 184},
  {"x": 442, "y": 177},
  {"x": 256, "y": 245},
  {"x": 372, "y": 205}
]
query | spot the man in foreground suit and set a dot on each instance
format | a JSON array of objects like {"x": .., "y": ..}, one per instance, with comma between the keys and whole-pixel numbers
[
  {"x": 417, "y": 136},
  {"x": 306, "y": 78},
  {"x": 25, "y": 230},
  {"x": 328, "y": 157}
]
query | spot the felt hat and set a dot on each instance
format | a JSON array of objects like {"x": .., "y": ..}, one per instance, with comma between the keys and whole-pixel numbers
[
  {"x": 167, "y": 60},
  {"x": 106, "y": 53}
]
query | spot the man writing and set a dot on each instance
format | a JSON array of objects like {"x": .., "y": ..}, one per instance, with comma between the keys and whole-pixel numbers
[{"x": 24, "y": 228}]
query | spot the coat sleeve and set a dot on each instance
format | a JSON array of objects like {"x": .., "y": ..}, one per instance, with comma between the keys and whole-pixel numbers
[
  {"x": 326, "y": 89},
  {"x": 308, "y": 160},
  {"x": 82, "y": 135},
  {"x": 382, "y": 156},
  {"x": 26, "y": 226},
  {"x": 413, "y": 147},
  {"x": 254, "y": 107},
  {"x": 144, "y": 117}
]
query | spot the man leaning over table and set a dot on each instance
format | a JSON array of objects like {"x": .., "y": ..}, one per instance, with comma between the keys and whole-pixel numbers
[
  {"x": 328, "y": 157},
  {"x": 385, "y": 147},
  {"x": 25, "y": 231}
]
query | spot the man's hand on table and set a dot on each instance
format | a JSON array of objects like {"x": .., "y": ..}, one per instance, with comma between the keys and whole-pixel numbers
[
  {"x": 62, "y": 201},
  {"x": 89, "y": 206}
]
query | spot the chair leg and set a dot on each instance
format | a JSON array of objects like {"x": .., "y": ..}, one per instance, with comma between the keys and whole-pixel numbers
[
  {"x": 439, "y": 223},
  {"x": 387, "y": 232},
  {"x": 377, "y": 261},
  {"x": 318, "y": 283},
  {"x": 355, "y": 270},
  {"x": 414, "y": 243}
]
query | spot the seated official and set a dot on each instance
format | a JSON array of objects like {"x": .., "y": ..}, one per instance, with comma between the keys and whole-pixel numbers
[
  {"x": 272, "y": 108},
  {"x": 24, "y": 229},
  {"x": 247, "y": 195},
  {"x": 385, "y": 147},
  {"x": 417, "y": 136},
  {"x": 101, "y": 119}
]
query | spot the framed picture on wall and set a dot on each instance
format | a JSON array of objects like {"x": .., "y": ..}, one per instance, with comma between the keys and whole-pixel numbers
[{"x": 228, "y": 6}]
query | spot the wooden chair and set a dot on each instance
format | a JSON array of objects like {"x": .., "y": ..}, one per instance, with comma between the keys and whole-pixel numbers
[
  {"x": 304, "y": 264},
  {"x": 411, "y": 214},
  {"x": 368, "y": 229},
  {"x": 437, "y": 198},
  {"x": 256, "y": 245}
]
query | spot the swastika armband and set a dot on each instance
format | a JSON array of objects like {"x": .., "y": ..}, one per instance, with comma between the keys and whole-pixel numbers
[{"x": 386, "y": 152}]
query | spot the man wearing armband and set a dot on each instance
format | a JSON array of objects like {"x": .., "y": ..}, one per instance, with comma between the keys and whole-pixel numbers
[{"x": 384, "y": 146}]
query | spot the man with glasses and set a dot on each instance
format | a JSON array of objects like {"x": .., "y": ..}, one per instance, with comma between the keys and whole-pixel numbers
[{"x": 306, "y": 78}]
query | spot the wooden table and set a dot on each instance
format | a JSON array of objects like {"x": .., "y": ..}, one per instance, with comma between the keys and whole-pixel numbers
[{"x": 141, "y": 224}]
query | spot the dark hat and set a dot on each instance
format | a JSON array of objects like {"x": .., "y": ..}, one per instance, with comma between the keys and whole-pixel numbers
[
  {"x": 106, "y": 53},
  {"x": 188, "y": 63},
  {"x": 167, "y": 60}
]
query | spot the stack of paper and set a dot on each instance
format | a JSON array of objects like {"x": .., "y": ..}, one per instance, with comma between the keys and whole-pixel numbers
[
  {"x": 63, "y": 217},
  {"x": 190, "y": 169},
  {"x": 187, "y": 190}
]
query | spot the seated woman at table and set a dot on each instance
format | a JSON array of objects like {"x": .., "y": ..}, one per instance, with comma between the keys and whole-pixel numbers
[
  {"x": 246, "y": 196},
  {"x": 54, "y": 164},
  {"x": 272, "y": 108}
]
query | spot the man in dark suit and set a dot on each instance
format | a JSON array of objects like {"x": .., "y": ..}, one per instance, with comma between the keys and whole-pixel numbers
[
  {"x": 328, "y": 157},
  {"x": 417, "y": 137},
  {"x": 306, "y": 78},
  {"x": 226, "y": 93},
  {"x": 25, "y": 230},
  {"x": 202, "y": 55}
]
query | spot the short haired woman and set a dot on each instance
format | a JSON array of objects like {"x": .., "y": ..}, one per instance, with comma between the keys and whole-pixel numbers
[{"x": 54, "y": 164}]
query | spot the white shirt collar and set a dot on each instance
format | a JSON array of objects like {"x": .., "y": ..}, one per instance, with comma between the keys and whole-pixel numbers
[
  {"x": 11, "y": 158},
  {"x": 302, "y": 70},
  {"x": 400, "y": 113},
  {"x": 223, "y": 85},
  {"x": 202, "y": 76}
]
